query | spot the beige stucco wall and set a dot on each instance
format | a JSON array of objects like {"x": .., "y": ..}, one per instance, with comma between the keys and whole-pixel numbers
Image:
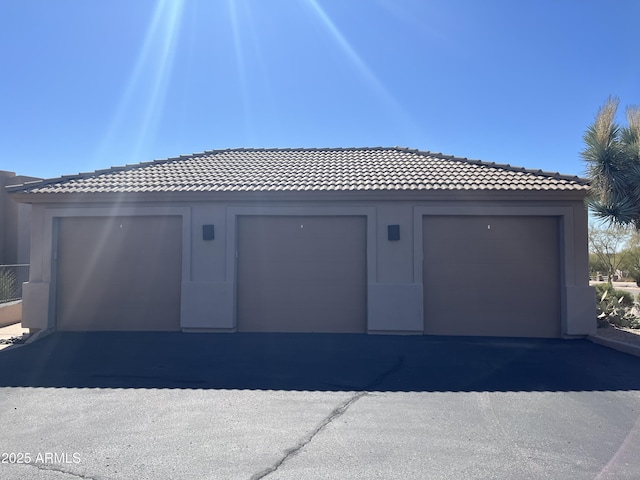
[
  {"x": 10, "y": 313},
  {"x": 15, "y": 222},
  {"x": 8, "y": 217},
  {"x": 394, "y": 268}
]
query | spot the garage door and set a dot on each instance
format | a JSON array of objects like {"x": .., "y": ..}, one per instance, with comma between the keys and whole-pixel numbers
[
  {"x": 493, "y": 275},
  {"x": 301, "y": 274},
  {"x": 119, "y": 273}
]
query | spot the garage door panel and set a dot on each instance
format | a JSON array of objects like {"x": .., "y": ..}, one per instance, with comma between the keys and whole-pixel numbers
[
  {"x": 119, "y": 273},
  {"x": 118, "y": 318},
  {"x": 269, "y": 306},
  {"x": 296, "y": 320},
  {"x": 505, "y": 277},
  {"x": 480, "y": 275},
  {"x": 495, "y": 226},
  {"x": 478, "y": 326},
  {"x": 302, "y": 274},
  {"x": 289, "y": 272},
  {"x": 298, "y": 239},
  {"x": 470, "y": 295},
  {"x": 474, "y": 304},
  {"x": 301, "y": 294},
  {"x": 485, "y": 250},
  {"x": 307, "y": 291}
]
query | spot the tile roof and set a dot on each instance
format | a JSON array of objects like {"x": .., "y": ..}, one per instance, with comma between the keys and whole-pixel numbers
[{"x": 308, "y": 169}]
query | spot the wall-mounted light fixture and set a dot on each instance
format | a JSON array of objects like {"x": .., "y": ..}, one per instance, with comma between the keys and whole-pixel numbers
[
  {"x": 393, "y": 232},
  {"x": 208, "y": 232}
]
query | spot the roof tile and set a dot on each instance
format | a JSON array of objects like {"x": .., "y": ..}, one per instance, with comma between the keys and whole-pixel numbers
[{"x": 325, "y": 169}]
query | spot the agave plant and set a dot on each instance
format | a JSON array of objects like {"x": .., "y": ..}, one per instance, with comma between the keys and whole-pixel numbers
[{"x": 616, "y": 307}]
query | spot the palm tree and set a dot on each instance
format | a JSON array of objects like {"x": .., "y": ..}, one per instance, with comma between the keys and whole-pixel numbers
[{"x": 612, "y": 154}]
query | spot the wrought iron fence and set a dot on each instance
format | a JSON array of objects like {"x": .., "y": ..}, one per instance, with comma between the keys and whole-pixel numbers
[{"x": 11, "y": 279}]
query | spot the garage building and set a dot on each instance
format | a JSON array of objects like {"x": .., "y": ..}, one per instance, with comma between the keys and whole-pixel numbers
[{"x": 336, "y": 240}]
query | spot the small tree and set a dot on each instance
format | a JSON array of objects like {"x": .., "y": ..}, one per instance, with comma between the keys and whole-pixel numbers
[
  {"x": 607, "y": 245},
  {"x": 596, "y": 265},
  {"x": 631, "y": 260}
]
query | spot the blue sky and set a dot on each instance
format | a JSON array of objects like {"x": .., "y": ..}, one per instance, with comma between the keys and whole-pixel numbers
[{"x": 87, "y": 85}]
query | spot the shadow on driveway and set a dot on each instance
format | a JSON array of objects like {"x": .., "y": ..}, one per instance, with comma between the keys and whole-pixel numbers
[{"x": 324, "y": 362}]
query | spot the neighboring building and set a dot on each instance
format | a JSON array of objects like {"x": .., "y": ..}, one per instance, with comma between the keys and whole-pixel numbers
[
  {"x": 14, "y": 222},
  {"x": 377, "y": 240}
]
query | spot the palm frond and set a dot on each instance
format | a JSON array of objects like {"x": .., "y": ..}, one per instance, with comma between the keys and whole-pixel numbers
[
  {"x": 623, "y": 212},
  {"x": 612, "y": 155},
  {"x": 630, "y": 135},
  {"x": 602, "y": 137},
  {"x": 611, "y": 180},
  {"x": 633, "y": 118}
]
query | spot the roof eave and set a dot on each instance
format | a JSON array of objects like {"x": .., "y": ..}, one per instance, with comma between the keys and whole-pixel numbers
[{"x": 312, "y": 195}]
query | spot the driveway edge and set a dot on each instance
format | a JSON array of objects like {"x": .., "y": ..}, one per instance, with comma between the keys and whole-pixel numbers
[
  {"x": 34, "y": 337},
  {"x": 616, "y": 345}
]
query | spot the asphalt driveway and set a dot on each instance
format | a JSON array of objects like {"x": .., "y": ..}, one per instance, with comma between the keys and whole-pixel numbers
[{"x": 165, "y": 405}]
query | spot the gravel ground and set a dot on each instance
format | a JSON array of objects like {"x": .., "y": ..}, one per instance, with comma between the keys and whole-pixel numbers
[{"x": 626, "y": 335}]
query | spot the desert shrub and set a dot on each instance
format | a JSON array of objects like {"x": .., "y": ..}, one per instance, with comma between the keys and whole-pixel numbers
[
  {"x": 615, "y": 307},
  {"x": 627, "y": 297}
]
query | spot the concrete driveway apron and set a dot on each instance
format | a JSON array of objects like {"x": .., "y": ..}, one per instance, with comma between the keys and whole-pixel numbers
[{"x": 165, "y": 405}]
